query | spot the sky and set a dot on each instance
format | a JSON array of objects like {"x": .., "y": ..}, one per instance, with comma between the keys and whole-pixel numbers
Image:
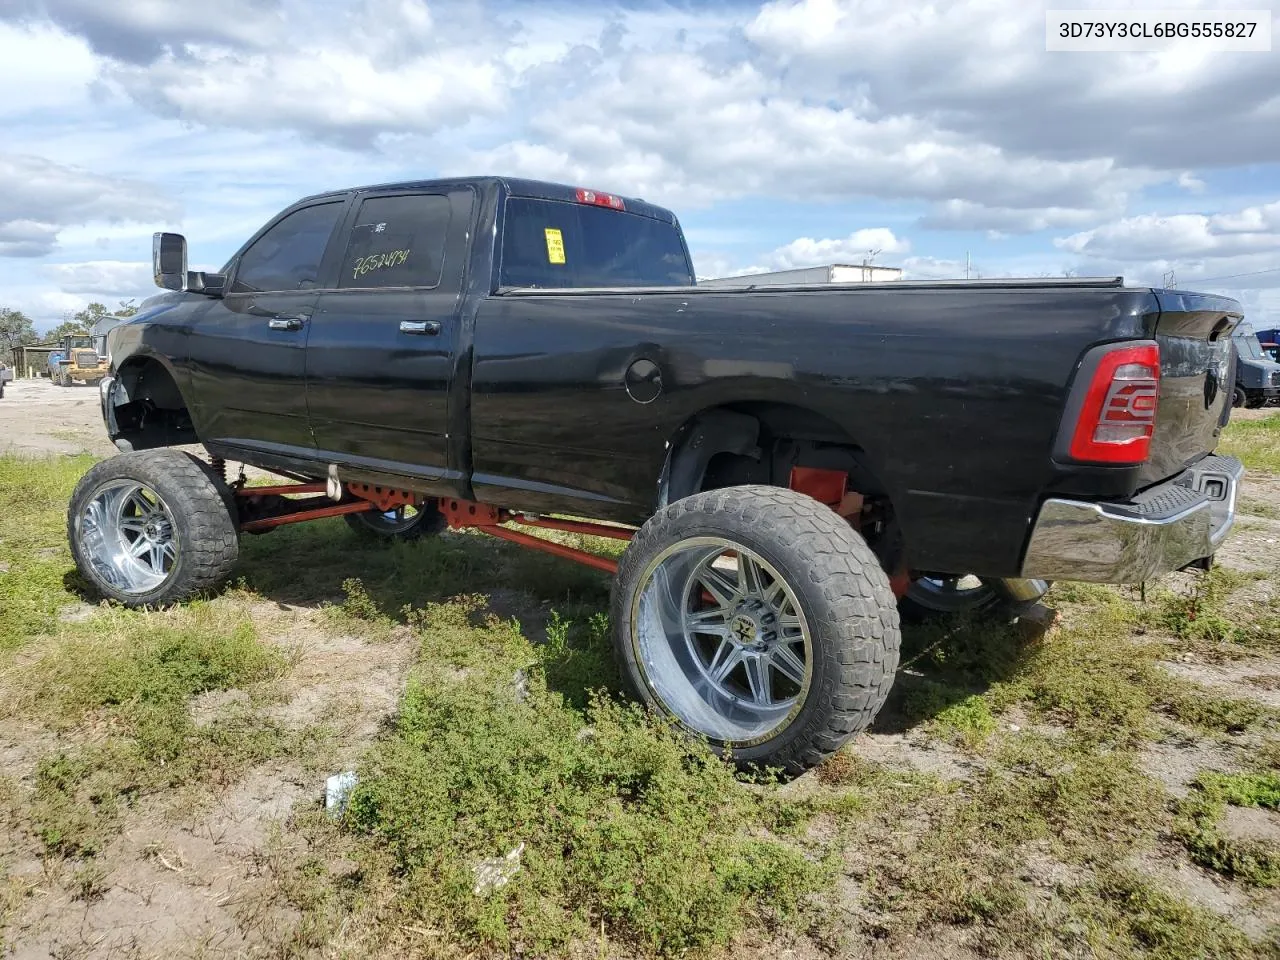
[{"x": 783, "y": 134}]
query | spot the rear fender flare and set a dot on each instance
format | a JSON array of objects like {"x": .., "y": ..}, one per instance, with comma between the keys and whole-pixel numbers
[{"x": 697, "y": 442}]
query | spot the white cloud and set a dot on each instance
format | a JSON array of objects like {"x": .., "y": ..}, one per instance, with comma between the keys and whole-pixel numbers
[
  {"x": 1236, "y": 253},
  {"x": 1186, "y": 236},
  {"x": 335, "y": 94},
  {"x": 979, "y": 68},
  {"x": 58, "y": 304},
  {"x": 1190, "y": 183},
  {"x": 42, "y": 70},
  {"x": 680, "y": 129},
  {"x": 38, "y": 198},
  {"x": 688, "y": 106},
  {"x": 140, "y": 30},
  {"x": 356, "y": 74},
  {"x": 932, "y": 268},
  {"x": 967, "y": 215},
  {"x": 708, "y": 265},
  {"x": 103, "y": 278},
  {"x": 26, "y": 238},
  {"x": 858, "y": 246}
]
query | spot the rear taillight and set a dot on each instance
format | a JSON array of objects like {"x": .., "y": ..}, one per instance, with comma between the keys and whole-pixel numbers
[
  {"x": 601, "y": 199},
  {"x": 1118, "y": 414}
]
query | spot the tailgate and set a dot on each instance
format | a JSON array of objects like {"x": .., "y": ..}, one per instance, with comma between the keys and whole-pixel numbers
[{"x": 1194, "y": 334}]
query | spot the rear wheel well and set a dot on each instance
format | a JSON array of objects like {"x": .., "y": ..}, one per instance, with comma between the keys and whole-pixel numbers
[
  {"x": 146, "y": 408},
  {"x": 760, "y": 443}
]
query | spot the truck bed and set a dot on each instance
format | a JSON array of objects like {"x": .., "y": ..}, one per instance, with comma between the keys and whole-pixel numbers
[{"x": 956, "y": 391}]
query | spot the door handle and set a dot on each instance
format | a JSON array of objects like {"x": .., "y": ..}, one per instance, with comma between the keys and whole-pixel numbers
[
  {"x": 286, "y": 323},
  {"x": 423, "y": 328}
]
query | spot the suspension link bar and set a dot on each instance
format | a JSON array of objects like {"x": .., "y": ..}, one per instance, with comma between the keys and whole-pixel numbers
[
  {"x": 824, "y": 485},
  {"x": 573, "y": 526},
  {"x": 283, "y": 489},
  {"x": 607, "y": 564},
  {"x": 466, "y": 513},
  {"x": 298, "y": 516}
]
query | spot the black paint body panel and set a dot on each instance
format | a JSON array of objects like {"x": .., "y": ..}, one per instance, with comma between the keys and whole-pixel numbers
[
  {"x": 954, "y": 391},
  {"x": 955, "y": 394}
]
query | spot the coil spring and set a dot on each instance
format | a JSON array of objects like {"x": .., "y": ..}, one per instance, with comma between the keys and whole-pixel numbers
[{"x": 219, "y": 465}]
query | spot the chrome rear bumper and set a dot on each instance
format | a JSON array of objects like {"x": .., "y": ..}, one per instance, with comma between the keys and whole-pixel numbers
[{"x": 1165, "y": 528}]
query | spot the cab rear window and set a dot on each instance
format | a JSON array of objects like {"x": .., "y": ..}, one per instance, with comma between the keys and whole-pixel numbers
[{"x": 550, "y": 243}]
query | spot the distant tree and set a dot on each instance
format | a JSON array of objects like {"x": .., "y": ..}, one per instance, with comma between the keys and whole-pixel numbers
[
  {"x": 127, "y": 308},
  {"x": 90, "y": 315},
  {"x": 81, "y": 321},
  {"x": 65, "y": 327},
  {"x": 15, "y": 328}
]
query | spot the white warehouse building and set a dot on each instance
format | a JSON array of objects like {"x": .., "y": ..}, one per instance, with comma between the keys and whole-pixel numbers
[{"x": 830, "y": 273}]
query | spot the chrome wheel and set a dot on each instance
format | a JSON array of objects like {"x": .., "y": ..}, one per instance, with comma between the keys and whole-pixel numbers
[
  {"x": 952, "y": 594},
  {"x": 127, "y": 535},
  {"x": 721, "y": 640}
]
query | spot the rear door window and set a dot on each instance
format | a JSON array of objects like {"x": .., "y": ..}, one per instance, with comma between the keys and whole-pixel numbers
[
  {"x": 287, "y": 257},
  {"x": 397, "y": 242},
  {"x": 551, "y": 243}
]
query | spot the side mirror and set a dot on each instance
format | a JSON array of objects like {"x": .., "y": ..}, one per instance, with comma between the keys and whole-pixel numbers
[{"x": 169, "y": 260}]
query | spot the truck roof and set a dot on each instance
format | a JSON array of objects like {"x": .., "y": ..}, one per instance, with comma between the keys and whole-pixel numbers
[{"x": 516, "y": 187}]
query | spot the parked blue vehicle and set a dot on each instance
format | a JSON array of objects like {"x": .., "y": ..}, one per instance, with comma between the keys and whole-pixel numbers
[{"x": 1270, "y": 340}]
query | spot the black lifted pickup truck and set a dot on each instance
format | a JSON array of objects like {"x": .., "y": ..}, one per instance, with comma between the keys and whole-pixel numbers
[{"x": 791, "y": 465}]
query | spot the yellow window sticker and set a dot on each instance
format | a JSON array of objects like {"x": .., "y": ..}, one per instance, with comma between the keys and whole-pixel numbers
[{"x": 555, "y": 246}]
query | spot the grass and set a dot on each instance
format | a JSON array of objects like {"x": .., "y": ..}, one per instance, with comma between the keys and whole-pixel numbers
[
  {"x": 1206, "y": 619},
  {"x": 1198, "y": 826},
  {"x": 34, "y": 558},
  {"x": 1255, "y": 442},
  {"x": 954, "y": 714},
  {"x": 1102, "y": 680},
  {"x": 623, "y": 826},
  {"x": 112, "y": 687},
  {"x": 128, "y": 679},
  {"x": 144, "y": 669},
  {"x": 636, "y": 842},
  {"x": 1260, "y": 508},
  {"x": 1127, "y": 915}
]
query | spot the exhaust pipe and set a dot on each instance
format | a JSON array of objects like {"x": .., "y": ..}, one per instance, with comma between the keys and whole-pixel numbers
[{"x": 1019, "y": 590}]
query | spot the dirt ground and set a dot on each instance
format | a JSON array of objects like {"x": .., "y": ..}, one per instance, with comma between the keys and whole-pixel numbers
[
  {"x": 38, "y": 417},
  {"x": 199, "y": 880}
]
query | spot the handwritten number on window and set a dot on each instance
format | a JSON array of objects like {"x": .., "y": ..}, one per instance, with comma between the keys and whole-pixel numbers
[{"x": 379, "y": 261}]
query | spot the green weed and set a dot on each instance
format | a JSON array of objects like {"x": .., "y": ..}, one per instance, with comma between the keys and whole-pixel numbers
[
  {"x": 1256, "y": 862},
  {"x": 36, "y": 578},
  {"x": 1125, "y": 915},
  {"x": 621, "y": 823},
  {"x": 952, "y": 712},
  {"x": 1255, "y": 442},
  {"x": 357, "y": 604},
  {"x": 1259, "y": 508},
  {"x": 131, "y": 676}
]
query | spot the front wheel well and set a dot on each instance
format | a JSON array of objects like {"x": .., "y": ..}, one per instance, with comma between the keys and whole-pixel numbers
[{"x": 146, "y": 409}]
